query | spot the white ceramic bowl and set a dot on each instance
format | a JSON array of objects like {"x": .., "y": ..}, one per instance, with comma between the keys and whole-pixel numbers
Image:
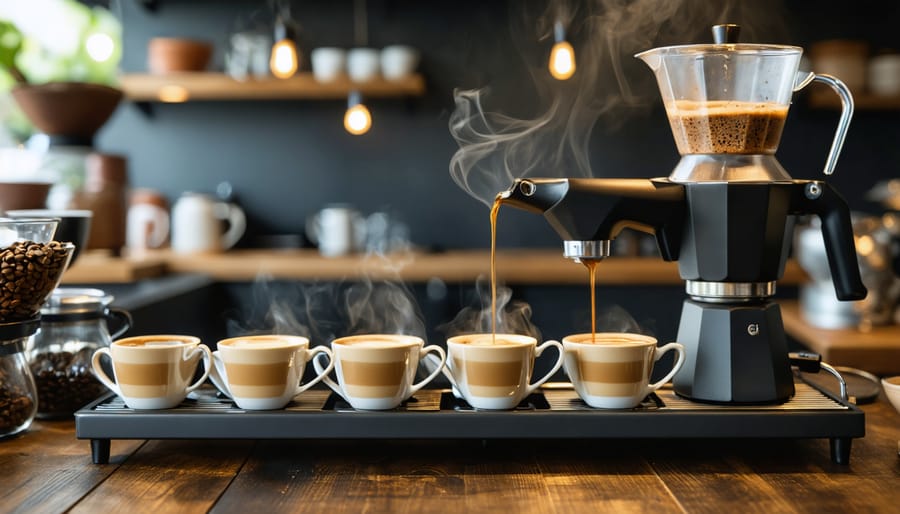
[
  {"x": 363, "y": 64},
  {"x": 892, "y": 390},
  {"x": 328, "y": 63}
]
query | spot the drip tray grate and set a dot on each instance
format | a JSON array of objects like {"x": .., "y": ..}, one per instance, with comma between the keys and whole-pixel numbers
[{"x": 556, "y": 412}]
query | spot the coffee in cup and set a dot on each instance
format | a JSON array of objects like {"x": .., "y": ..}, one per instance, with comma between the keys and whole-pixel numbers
[
  {"x": 494, "y": 371},
  {"x": 612, "y": 369},
  {"x": 377, "y": 371},
  {"x": 263, "y": 372},
  {"x": 153, "y": 372}
]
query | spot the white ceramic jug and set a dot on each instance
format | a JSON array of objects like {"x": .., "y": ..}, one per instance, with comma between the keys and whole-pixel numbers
[{"x": 198, "y": 224}]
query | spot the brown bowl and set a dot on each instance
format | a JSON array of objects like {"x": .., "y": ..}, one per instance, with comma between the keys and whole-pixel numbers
[
  {"x": 168, "y": 55},
  {"x": 23, "y": 195},
  {"x": 74, "y": 109}
]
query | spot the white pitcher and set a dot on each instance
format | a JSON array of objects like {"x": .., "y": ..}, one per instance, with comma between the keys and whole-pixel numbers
[{"x": 198, "y": 224}]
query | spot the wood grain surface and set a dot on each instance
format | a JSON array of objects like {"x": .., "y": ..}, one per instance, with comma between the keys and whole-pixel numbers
[{"x": 47, "y": 470}]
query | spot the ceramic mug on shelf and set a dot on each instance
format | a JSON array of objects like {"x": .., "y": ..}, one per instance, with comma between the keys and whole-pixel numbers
[
  {"x": 337, "y": 230},
  {"x": 198, "y": 224}
]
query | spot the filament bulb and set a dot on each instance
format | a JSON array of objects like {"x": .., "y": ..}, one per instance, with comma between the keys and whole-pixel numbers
[
  {"x": 357, "y": 119},
  {"x": 562, "y": 60},
  {"x": 283, "y": 62}
]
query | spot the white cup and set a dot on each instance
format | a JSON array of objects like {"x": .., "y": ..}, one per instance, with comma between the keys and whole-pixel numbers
[
  {"x": 153, "y": 372},
  {"x": 495, "y": 373},
  {"x": 363, "y": 64},
  {"x": 263, "y": 372},
  {"x": 328, "y": 63},
  {"x": 198, "y": 224},
  {"x": 612, "y": 370},
  {"x": 884, "y": 75},
  {"x": 376, "y": 371},
  {"x": 398, "y": 61},
  {"x": 337, "y": 230}
]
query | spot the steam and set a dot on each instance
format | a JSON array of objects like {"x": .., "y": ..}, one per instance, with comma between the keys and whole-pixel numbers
[
  {"x": 552, "y": 140},
  {"x": 513, "y": 316},
  {"x": 325, "y": 311}
]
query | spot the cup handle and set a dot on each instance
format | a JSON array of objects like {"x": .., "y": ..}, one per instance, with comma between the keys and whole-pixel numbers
[
  {"x": 217, "y": 376},
  {"x": 445, "y": 369},
  {"x": 237, "y": 224},
  {"x": 160, "y": 228},
  {"x": 124, "y": 319},
  {"x": 559, "y": 362},
  {"x": 425, "y": 351},
  {"x": 322, "y": 374},
  {"x": 100, "y": 374},
  {"x": 207, "y": 361},
  {"x": 675, "y": 367}
]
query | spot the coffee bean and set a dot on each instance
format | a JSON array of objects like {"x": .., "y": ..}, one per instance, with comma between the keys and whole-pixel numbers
[
  {"x": 16, "y": 405},
  {"x": 65, "y": 382},
  {"x": 29, "y": 272}
]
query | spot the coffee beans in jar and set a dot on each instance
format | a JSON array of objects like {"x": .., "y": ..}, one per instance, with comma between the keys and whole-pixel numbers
[
  {"x": 65, "y": 382},
  {"x": 17, "y": 396},
  {"x": 29, "y": 272}
]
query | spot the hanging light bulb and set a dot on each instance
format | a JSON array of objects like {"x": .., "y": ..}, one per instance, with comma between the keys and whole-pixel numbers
[
  {"x": 562, "y": 56},
  {"x": 284, "y": 60},
  {"x": 357, "y": 119}
]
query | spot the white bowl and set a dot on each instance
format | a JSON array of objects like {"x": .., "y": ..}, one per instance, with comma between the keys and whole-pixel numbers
[
  {"x": 892, "y": 390},
  {"x": 363, "y": 64}
]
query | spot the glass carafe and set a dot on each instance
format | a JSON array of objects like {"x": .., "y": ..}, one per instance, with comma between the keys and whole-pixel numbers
[
  {"x": 73, "y": 326},
  {"x": 727, "y": 104},
  {"x": 18, "y": 395}
]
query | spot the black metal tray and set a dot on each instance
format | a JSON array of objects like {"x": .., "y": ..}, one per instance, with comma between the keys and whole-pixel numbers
[{"x": 555, "y": 412}]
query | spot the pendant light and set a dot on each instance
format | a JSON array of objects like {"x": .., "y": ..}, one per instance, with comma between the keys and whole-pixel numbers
[
  {"x": 562, "y": 56},
  {"x": 357, "y": 119},
  {"x": 285, "y": 60}
]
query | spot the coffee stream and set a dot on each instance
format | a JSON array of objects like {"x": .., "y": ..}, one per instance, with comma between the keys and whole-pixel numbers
[
  {"x": 494, "y": 211},
  {"x": 591, "y": 265}
]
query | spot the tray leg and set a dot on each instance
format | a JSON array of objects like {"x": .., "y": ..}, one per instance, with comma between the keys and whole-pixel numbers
[
  {"x": 840, "y": 450},
  {"x": 100, "y": 451}
]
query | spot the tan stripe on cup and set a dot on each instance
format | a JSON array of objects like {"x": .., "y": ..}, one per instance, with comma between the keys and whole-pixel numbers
[{"x": 611, "y": 372}]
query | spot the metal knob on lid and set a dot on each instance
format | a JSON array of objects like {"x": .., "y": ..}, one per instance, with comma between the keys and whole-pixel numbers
[{"x": 726, "y": 33}]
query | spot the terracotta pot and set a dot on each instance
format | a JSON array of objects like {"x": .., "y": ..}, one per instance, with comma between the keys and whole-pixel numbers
[
  {"x": 167, "y": 55},
  {"x": 74, "y": 109}
]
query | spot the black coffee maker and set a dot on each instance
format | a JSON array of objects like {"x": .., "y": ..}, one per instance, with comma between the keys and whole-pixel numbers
[{"x": 726, "y": 213}]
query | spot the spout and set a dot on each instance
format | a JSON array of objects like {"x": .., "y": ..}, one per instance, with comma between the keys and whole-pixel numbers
[
  {"x": 535, "y": 195},
  {"x": 594, "y": 211}
]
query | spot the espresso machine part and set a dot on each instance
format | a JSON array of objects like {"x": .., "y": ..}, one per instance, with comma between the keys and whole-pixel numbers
[{"x": 726, "y": 213}]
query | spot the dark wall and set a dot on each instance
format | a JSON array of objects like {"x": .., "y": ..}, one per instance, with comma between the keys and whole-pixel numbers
[{"x": 286, "y": 159}]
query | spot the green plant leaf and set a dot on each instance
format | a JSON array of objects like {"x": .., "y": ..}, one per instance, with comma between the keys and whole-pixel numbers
[{"x": 10, "y": 44}]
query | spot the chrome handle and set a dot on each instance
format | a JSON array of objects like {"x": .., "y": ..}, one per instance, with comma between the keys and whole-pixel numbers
[{"x": 843, "y": 124}]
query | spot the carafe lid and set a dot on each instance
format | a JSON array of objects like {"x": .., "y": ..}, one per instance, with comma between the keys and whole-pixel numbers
[{"x": 66, "y": 302}]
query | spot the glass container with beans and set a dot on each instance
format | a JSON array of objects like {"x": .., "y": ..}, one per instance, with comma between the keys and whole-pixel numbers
[
  {"x": 74, "y": 323},
  {"x": 18, "y": 395}
]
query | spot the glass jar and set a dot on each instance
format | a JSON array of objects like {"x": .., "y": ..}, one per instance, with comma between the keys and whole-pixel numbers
[
  {"x": 73, "y": 326},
  {"x": 18, "y": 394}
]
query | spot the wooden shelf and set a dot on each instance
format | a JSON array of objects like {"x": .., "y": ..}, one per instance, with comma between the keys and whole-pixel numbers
[
  {"x": 183, "y": 87},
  {"x": 514, "y": 266}
]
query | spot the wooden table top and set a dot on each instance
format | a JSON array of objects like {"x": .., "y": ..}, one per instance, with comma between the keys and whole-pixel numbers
[{"x": 47, "y": 469}]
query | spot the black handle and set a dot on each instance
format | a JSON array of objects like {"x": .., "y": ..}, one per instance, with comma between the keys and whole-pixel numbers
[
  {"x": 124, "y": 319},
  {"x": 819, "y": 198}
]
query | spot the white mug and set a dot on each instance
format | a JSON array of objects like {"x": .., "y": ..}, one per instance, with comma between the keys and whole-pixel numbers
[
  {"x": 398, "y": 61},
  {"x": 197, "y": 224},
  {"x": 611, "y": 370},
  {"x": 147, "y": 222},
  {"x": 377, "y": 371},
  {"x": 338, "y": 230},
  {"x": 328, "y": 63},
  {"x": 363, "y": 64},
  {"x": 263, "y": 372},
  {"x": 494, "y": 372},
  {"x": 153, "y": 372}
]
